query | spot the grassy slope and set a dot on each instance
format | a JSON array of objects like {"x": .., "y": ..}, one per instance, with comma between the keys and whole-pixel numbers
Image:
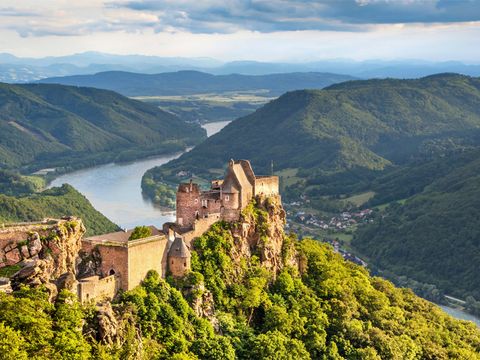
[{"x": 47, "y": 123}]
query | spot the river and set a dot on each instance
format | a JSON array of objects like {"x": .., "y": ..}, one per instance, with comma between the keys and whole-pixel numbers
[
  {"x": 115, "y": 189},
  {"x": 459, "y": 314}
]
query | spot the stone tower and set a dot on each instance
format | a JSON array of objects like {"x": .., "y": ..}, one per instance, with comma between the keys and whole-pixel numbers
[{"x": 179, "y": 258}]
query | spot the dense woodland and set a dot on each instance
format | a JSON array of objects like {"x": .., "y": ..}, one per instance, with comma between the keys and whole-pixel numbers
[
  {"x": 434, "y": 235},
  {"x": 333, "y": 310},
  {"x": 62, "y": 126}
]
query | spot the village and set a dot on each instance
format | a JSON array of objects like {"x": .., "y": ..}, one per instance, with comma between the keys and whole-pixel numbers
[{"x": 334, "y": 229}]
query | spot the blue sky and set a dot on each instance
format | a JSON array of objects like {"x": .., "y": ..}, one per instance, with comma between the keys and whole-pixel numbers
[{"x": 273, "y": 30}]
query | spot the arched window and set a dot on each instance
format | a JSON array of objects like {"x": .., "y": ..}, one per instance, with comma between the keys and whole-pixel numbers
[{"x": 112, "y": 272}]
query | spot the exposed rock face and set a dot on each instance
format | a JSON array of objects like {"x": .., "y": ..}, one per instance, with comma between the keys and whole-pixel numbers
[
  {"x": 48, "y": 251},
  {"x": 260, "y": 231},
  {"x": 107, "y": 324}
]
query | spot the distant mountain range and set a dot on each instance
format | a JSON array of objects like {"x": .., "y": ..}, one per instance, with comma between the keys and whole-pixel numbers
[
  {"x": 42, "y": 124},
  {"x": 194, "y": 82},
  {"x": 15, "y": 69}
]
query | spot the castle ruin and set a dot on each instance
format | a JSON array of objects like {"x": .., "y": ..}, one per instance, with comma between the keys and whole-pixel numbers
[{"x": 112, "y": 262}]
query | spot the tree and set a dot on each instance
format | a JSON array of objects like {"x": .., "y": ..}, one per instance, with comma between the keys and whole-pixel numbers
[{"x": 140, "y": 232}]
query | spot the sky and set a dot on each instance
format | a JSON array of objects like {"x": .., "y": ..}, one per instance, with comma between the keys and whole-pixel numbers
[{"x": 264, "y": 30}]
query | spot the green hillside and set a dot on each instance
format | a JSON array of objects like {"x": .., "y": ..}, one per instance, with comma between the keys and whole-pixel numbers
[
  {"x": 55, "y": 125},
  {"x": 433, "y": 236},
  {"x": 338, "y": 139},
  {"x": 54, "y": 203},
  {"x": 332, "y": 310}
]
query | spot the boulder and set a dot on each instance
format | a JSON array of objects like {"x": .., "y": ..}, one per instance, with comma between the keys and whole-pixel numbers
[{"x": 13, "y": 257}]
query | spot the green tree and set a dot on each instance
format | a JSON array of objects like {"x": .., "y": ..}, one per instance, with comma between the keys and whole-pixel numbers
[{"x": 140, "y": 232}]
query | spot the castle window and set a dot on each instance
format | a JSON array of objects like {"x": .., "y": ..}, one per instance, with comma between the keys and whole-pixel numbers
[
  {"x": 112, "y": 272},
  {"x": 205, "y": 203},
  {"x": 227, "y": 197},
  {"x": 185, "y": 264},
  {"x": 172, "y": 262}
]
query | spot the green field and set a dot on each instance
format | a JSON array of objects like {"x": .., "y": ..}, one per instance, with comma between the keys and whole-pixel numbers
[
  {"x": 210, "y": 107},
  {"x": 360, "y": 199}
]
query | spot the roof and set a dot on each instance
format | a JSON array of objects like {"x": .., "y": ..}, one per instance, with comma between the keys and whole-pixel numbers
[
  {"x": 120, "y": 237},
  {"x": 179, "y": 249}
]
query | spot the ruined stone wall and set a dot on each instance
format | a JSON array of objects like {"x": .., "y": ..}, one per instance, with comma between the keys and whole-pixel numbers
[
  {"x": 95, "y": 288},
  {"x": 213, "y": 203},
  {"x": 199, "y": 227},
  {"x": 114, "y": 261},
  {"x": 231, "y": 214},
  {"x": 266, "y": 185},
  {"x": 144, "y": 255},
  {"x": 231, "y": 200}
]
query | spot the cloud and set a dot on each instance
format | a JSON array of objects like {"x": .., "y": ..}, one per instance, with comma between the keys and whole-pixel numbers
[
  {"x": 62, "y": 18},
  {"x": 284, "y": 15}
]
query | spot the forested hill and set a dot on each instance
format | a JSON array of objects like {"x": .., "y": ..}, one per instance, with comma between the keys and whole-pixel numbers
[
  {"x": 434, "y": 235},
  {"x": 194, "y": 82},
  {"x": 355, "y": 125},
  {"x": 58, "y": 125},
  {"x": 261, "y": 295}
]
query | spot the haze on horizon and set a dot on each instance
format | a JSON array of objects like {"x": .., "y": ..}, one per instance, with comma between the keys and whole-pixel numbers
[{"x": 274, "y": 30}]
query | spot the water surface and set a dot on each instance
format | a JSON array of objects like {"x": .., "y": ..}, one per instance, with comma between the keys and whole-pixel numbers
[
  {"x": 214, "y": 127},
  {"x": 459, "y": 314},
  {"x": 115, "y": 189}
]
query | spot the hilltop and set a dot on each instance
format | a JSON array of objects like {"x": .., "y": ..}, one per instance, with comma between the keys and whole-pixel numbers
[
  {"x": 54, "y": 125},
  {"x": 195, "y": 82},
  {"x": 337, "y": 139}
]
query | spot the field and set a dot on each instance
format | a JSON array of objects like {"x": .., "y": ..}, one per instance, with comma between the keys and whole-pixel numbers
[
  {"x": 210, "y": 107},
  {"x": 360, "y": 199}
]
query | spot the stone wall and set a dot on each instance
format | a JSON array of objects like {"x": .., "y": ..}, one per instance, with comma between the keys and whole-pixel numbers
[
  {"x": 94, "y": 288},
  {"x": 114, "y": 262},
  {"x": 144, "y": 255},
  {"x": 266, "y": 185},
  {"x": 199, "y": 227}
]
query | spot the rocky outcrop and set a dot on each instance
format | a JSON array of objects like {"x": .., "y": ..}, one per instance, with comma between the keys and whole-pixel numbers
[
  {"x": 47, "y": 251},
  {"x": 107, "y": 324},
  {"x": 260, "y": 232}
]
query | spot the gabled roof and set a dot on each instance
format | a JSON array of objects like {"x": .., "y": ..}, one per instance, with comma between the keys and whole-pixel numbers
[
  {"x": 179, "y": 249},
  {"x": 242, "y": 175}
]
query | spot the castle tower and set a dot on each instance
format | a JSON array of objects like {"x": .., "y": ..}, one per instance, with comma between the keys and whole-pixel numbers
[
  {"x": 188, "y": 204},
  {"x": 179, "y": 258}
]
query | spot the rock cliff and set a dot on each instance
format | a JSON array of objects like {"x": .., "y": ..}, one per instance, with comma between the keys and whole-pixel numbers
[
  {"x": 260, "y": 231},
  {"x": 47, "y": 252}
]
